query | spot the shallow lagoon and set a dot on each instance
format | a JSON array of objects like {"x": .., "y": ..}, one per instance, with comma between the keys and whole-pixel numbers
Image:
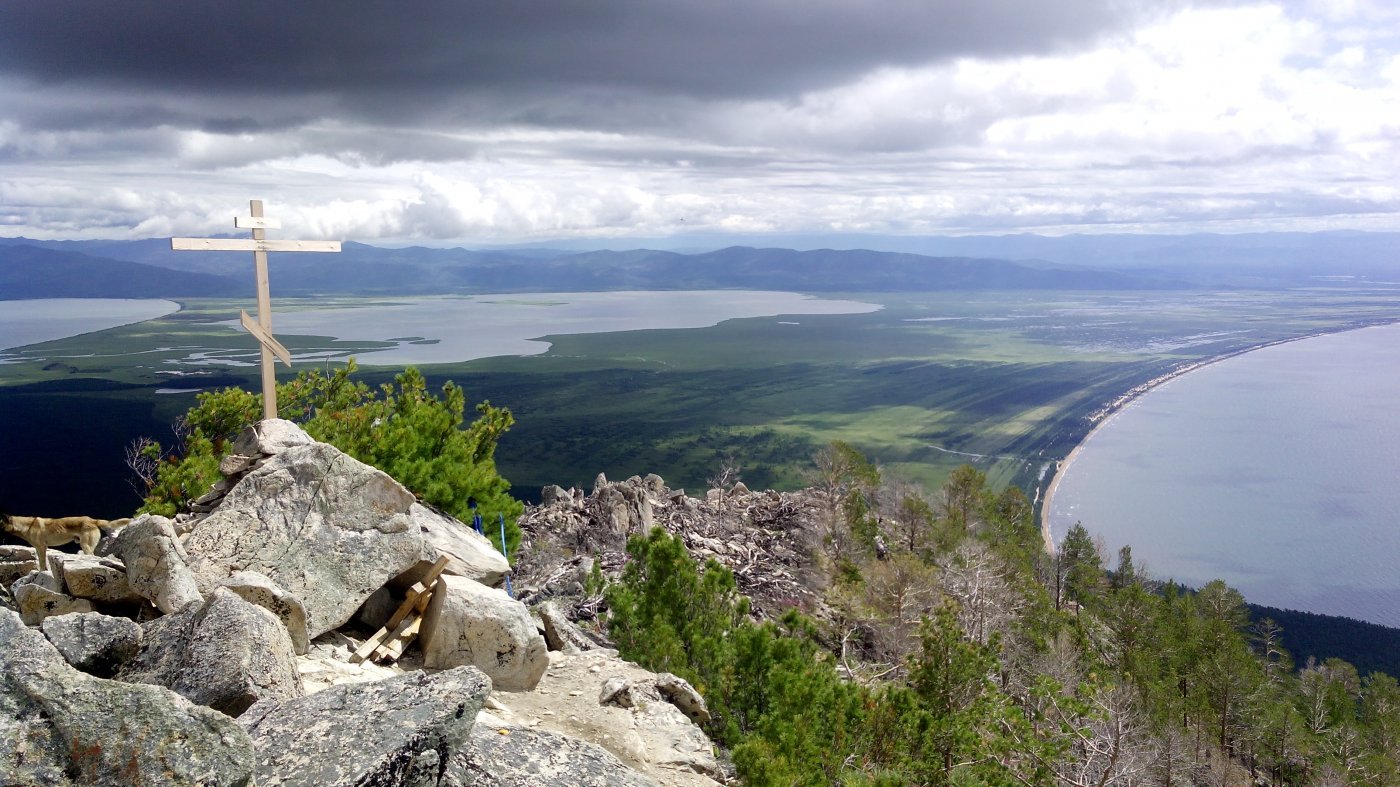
[
  {"x": 1275, "y": 471},
  {"x": 454, "y": 329},
  {"x": 45, "y": 319}
]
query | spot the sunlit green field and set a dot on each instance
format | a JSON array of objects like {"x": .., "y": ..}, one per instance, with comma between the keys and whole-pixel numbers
[{"x": 1003, "y": 380}]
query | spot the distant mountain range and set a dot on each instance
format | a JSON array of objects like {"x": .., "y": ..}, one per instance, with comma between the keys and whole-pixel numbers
[
  {"x": 149, "y": 268},
  {"x": 36, "y": 272}
]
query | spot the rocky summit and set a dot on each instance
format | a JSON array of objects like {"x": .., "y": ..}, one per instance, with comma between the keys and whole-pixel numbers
[{"x": 228, "y": 646}]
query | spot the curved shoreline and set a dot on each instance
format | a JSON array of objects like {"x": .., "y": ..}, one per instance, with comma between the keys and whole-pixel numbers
[{"x": 1106, "y": 413}]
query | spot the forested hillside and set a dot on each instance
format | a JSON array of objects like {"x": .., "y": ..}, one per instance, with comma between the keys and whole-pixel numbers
[{"x": 948, "y": 647}]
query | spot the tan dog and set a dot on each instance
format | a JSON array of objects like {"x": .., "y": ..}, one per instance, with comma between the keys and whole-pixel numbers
[{"x": 42, "y": 533}]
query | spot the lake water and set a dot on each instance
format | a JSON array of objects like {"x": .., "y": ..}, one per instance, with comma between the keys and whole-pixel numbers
[
  {"x": 46, "y": 319},
  {"x": 449, "y": 329},
  {"x": 1277, "y": 471}
]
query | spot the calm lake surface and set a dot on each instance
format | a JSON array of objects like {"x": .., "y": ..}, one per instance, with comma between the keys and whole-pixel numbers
[
  {"x": 1277, "y": 471},
  {"x": 46, "y": 319},
  {"x": 447, "y": 329}
]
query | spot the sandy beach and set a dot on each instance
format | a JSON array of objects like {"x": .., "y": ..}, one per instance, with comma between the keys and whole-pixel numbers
[{"x": 1103, "y": 415}]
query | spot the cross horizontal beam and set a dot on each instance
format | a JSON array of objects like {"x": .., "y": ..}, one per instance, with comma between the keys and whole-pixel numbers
[{"x": 247, "y": 244}]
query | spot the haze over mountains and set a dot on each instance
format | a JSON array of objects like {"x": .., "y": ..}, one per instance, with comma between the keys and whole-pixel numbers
[{"x": 148, "y": 268}]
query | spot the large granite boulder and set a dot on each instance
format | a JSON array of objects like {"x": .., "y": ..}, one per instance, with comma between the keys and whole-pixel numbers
[
  {"x": 597, "y": 697},
  {"x": 560, "y": 633},
  {"x": 15, "y": 562},
  {"x": 60, "y": 727},
  {"x": 469, "y": 554},
  {"x": 469, "y": 623},
  {"x": 319, "y": 523},
  {"x": 390, "y": 733},
  {"x": 100, "y": 579},
  {"x": 40, "y": 595},
  {"x": 155, "y": 563},
  {"x": 255, "y": 588},
  {"x": 92, "y": 642},
  {"x": 268, "y": 437},
  {"x": 500, "y": 756},
  {"x": 225, "y": 653}
]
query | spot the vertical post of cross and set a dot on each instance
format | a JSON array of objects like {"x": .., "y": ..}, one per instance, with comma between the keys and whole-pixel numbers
[{"x": 269, "y": 374}]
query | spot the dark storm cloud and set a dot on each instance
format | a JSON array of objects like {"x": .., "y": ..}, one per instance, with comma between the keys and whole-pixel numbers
[{"x": 459, "y": 60}]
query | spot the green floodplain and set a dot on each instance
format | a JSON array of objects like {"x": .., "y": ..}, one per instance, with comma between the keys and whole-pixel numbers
[{"x": 1007, "y": 381}]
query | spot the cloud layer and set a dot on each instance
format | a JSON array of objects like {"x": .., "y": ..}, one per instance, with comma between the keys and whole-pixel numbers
[{"x": 496, "y": 123}]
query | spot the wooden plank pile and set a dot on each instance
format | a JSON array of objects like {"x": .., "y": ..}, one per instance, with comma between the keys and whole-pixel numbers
[{"x": 389, "y": 643}]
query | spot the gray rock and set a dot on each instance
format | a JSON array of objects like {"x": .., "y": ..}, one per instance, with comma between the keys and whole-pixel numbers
[
  {"x": 233, "y": 464},
  {"x": 92, "y": 642},
  {"x": 255, "y": 588},
  {"x": 469, "y": 623},
  {"x": 324, "y": 526},
  {"x": 626, "y": 507},
  {"x": 272, "y": 436},
  {"x": 378, "y": 608},
  {"x": 89, "y": 576},
  {"x": 469, "y": 553},
  {"x": 60, "y": 727},
  {"x": 552, "y": 494},
  {"x": 520, "y": 757},
  {"x": 225, "y": 653},
  {"x": 678, "y": 691},
  {"x": 37, "y": 598},
  {"x": 155, "y": 563},
  {"x": 560, "y": 633},
  {"x": 15, "y": 562},
  {"x": 616, "y": 691},
  {"x": 391, "y": 733}
]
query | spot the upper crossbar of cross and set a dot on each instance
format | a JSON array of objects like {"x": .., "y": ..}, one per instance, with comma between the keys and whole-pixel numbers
[{"x": 260, "y": 246}]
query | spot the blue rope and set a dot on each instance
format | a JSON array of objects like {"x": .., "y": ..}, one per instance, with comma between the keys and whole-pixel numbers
[{"x": 509, "y": 591}]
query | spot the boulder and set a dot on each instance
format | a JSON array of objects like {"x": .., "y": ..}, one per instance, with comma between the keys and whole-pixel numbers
[
  {"x": 398, "y": 732},
  {"x": 560, "y": 633},
  {"x": 255, "y": 588},
  {"x": 271, "y": 436},
  {"x": 101, "y": 579},
  {"x": 652, "y": 736},
  {"x": 469, "y": 623},
  {"x": 15, "y": 562},
  {"x": 499, "y": 756},
  {"x": 39, "y": 595},
  {"x": 626, "y": 506},
  {"x": 551, "y": 494},
  {"x": 225, "y": 653},
  {"x": 469, "y": 553},
  {"x": 322, "y": 525},
  {"x": 678, "y": 691},
  {"x": 92, "y": 642},
  {"x": 378, "y": 608},
  {"x": 155, "y": 563},
  {"x": 60, "y": 727}
]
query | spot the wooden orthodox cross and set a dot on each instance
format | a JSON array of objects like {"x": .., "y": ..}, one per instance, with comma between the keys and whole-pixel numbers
[{"x": 260, "y": 246}]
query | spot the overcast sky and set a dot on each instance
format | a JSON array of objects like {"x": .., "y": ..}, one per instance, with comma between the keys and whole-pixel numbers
[{"x": 531, "y": 120}]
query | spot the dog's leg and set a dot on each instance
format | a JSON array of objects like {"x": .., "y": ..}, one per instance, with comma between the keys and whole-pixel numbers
[
  {"x": 43, "y": 550},
  {"x": 87, "y": 540}
]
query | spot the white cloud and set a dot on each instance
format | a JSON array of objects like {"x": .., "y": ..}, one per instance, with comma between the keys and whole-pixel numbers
[{"x": 1245, "y": 117}]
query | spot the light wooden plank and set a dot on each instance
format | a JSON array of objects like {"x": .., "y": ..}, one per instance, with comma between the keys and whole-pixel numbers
[
  {"x": 251, "y": 326},
  {"x": 417, "y": 600},
  {"x": 395, "y": 647},
  {"x": 257, "y": 223},
  {"x": 249, "y": 244}
]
